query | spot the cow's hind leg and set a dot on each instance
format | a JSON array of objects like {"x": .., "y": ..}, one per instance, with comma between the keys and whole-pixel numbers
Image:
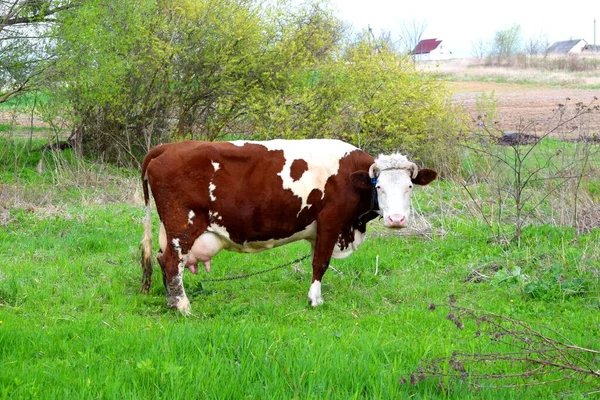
[
  {"x": 176, "y": 238},
  {"x": 173, "y": 263}
]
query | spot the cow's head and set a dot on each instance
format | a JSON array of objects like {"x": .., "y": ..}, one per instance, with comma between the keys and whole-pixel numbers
[{"x": 391, "y": 179}]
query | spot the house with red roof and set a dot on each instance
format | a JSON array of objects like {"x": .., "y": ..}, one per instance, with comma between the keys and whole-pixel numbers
[{"x": 430, "y": 49}]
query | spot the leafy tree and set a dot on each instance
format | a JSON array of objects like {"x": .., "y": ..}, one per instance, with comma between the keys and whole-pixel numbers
[
  {"x": 370, "y": 96},
  {"x": 132, "y": 74},
  {"x": 506, "y": 43},
  {"x": 24, "y": 42},
  {"x": 135, "y": 68},
  {"x": 111, "y": 72}
]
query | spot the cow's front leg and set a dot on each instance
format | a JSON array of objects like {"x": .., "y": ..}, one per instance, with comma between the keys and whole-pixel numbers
[
  {"x": 173, "y": 263},
  {"x": 322, "y": 250}
]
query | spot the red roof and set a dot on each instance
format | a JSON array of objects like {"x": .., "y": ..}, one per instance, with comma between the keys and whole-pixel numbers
[{"x": 426, "y": 46}]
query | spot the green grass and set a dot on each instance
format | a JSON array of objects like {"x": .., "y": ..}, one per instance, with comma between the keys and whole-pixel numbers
[
  {"x": 573, "y": 82},
  {"x": 74, "y": 324},
  {"x": 588, "y": 86},
  {"x": 25, "y": 102},
  {"x": 553, "y": 72},
  {"x": 453, "y": 77}
]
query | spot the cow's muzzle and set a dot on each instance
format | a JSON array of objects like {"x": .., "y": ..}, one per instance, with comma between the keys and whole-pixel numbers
[{"x": 395, "y": 221}]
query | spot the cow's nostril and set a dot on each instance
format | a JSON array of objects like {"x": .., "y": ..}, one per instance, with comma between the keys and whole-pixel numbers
[{"x": 396, "y": 220}]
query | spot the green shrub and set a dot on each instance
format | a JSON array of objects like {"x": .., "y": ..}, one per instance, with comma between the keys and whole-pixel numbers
[
  {"x": 371, "y": 97},
  {"x": 141, "y": 73}
]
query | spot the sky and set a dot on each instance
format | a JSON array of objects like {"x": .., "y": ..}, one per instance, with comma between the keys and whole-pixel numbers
[{"x": 460, "y": 23}]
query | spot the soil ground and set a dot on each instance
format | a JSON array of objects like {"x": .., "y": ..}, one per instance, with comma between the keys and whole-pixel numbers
[{"x": 529, "y": 108}]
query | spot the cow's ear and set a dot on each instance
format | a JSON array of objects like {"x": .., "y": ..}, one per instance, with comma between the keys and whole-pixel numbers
[
  {"x": 361, "y": 180},
  {"x": 424, "y": 177}
]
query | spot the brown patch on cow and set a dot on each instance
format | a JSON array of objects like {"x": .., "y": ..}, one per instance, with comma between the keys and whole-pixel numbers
[
  {"x": 250, "y": 198},
  {"x": 298, "y": 168},
  {"x": 314, "y": 197}
]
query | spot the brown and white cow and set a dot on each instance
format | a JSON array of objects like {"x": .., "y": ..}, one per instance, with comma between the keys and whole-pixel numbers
[{"x": 247, "y": 197}]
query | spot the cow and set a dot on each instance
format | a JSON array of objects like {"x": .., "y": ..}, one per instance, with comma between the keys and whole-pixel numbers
[{"x": 250, "y": 196}]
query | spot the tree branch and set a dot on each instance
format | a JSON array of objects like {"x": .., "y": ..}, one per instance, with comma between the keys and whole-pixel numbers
[{"x": 40, "y": 16}]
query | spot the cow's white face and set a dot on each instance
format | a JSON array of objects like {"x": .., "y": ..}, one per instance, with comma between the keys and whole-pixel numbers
[
  {"x": 394, "y": 192},
  {"x": 393, "y": 177}
]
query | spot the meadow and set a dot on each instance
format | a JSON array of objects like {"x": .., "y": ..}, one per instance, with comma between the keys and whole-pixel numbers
[{"x": 74, "y": 325}]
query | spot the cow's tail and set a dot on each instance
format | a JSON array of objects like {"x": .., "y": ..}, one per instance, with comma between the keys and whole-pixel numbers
[
  {"x": 146, "y": 257},
  {"x": 147, "y": 243}
]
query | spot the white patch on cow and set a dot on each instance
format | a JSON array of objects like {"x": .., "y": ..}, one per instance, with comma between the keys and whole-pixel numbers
[
  {"x": 179, "y": 298},
  {"x": 215, "y": 165},
  {"x": 211, "y": 189},
  {"x": 396, "y": 161},
  {"x": 182, "y": 257},
  {"x": 191, "y": 215},
  {"x": 314, "y": 294},
  {"x": 216, "y": 238},
  {"x": 309, "y": 233},
  {"x": 321, "y": 155},
  {"x": 214, "y": 216},
  {"x": 359, "y": 238},
  {"x": 177, "y": 248}
]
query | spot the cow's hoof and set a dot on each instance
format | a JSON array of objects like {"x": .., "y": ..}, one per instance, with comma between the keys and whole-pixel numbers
[
  {"x": 184, "y": 307},
  {"x": 314, "y": 294},
  {"x": 315, "y": 302},
  {"x": 181, "y": 304}
]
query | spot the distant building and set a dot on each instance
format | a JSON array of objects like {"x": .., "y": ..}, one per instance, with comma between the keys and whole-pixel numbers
[
  {"x": 567, "y": 47},
  {"x": 430, "y": 49},
  {"x": 591, "y": 48}
]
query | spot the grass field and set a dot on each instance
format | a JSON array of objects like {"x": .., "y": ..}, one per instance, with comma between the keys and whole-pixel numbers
[
  {"x": 74, "y": 325},
  {"x": 571, "y": 72}
]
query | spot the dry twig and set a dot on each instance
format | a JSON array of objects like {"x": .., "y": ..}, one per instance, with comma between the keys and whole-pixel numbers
[{"x": 536, "y": 357}]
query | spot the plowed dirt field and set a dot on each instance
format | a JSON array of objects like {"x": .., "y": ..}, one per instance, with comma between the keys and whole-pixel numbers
[{"x": 532, "y": 109}]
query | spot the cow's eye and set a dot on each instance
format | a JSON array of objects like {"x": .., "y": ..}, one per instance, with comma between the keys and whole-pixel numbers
[
  {"x": 378, "y": 186},
  {"x": 410, "y": 186}
]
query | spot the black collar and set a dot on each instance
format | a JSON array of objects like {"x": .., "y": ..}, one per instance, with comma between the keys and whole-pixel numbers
[
  {"x": 374, "y": 205},
  {"x": 374, "y": 197}
]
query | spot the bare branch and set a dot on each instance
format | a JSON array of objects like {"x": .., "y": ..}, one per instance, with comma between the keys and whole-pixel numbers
[{"x": 539, "y": 355}]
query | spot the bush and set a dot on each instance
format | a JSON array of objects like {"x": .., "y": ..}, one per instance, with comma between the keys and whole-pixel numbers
[
  {"x": 371, "y": 97},
  {"x": 136, "y": 74}
]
